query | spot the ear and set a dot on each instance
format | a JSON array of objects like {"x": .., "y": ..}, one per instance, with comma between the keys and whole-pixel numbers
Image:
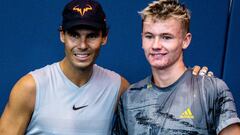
[
  {"x": 62, "y": 36},
  {"x": 187, "y": 40},
  {"x": 104, "y": 40}
]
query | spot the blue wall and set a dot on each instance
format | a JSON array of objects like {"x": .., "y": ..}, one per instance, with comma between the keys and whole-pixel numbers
[
  {"x": 231, "y": 70},
  {"x": 30, "y": 40}
]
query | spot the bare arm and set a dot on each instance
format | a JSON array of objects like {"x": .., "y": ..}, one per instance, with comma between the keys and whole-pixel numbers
[
  {"x": 123, "y": 87},
  {"x": 231, "y": 130},
  {"x": 19, "y": 108},
  {"x": 117, "y": 129}
]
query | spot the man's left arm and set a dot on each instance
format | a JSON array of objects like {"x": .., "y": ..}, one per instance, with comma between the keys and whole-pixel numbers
[
  {"x": 231, "y": 130},
  {"x": 228, "y": 122},
  {"x": 123, "y": 87}
]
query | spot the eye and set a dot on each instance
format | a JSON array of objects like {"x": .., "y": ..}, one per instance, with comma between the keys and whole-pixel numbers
[
  {"x": 92, "y": 35},
  {"x": 73, "y": 34},
  {"x": 148, "y": 36},
  {"x": 167, "y": 37}
]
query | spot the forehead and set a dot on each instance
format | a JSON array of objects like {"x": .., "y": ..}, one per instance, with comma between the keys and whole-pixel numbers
[
  {"x": 84, "y": 29},
  {"x": 84, "y": 32},
  {"x": 162, "y": 25}
]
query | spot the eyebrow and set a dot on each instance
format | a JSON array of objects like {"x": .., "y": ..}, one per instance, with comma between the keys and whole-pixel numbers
[
  {"x": 166, "y": 34},
  {"x": 161, "y": 34},
  {"x": 147, "y": 33}
]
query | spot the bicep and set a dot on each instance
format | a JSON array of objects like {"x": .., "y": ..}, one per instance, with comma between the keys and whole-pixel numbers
[
  {"x": 226, "y": 113},
  {"x": 19, "y": 108},
  {"x": 123, "y": 87},
  {"x": 231, "y": 130}
]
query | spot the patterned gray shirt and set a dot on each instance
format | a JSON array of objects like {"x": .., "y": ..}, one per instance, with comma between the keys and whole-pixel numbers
[{"x": 193, "y": 105}]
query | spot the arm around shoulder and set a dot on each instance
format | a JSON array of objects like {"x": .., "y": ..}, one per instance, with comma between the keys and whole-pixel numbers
[{"x": 19, "y": 108}]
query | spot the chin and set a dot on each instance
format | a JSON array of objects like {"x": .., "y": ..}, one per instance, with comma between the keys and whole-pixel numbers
[
  {"x": 82, "y": 65},
  {"x": 159, "y": 66}
]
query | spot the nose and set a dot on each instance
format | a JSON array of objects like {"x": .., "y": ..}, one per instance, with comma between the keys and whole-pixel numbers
[
  {"x": 156, "y": 43},
  {"x": 82, "y": 43}
]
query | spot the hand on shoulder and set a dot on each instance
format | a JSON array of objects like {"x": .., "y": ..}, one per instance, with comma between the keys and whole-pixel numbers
[{"x": 197, "y": 70}]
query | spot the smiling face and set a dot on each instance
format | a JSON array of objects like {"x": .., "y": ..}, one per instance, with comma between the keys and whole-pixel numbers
[
  {"x": 163, "y": 42},
  {"x": 82, "y": 46}
]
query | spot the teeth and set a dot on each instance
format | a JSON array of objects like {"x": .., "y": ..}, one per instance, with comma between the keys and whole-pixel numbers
[
  {"x": 81, "y": 55},
  {"x": 158, "y": 53}
]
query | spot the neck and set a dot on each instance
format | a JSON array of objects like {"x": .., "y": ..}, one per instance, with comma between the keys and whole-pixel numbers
[
  {"x": 78, "y": 76},
  {"x": 166, "y": 77}
]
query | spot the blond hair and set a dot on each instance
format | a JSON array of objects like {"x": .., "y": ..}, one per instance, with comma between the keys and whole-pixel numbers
[{"x": 165, "y": 9}]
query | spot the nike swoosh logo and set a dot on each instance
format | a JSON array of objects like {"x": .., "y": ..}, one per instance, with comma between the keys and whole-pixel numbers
[{"x": 77, "y": 108}]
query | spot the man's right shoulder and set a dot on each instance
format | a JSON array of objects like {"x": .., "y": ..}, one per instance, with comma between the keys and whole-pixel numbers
[
  {"x": 42, "y": 74},
  {"x": 23, "y": 93},
  {"x": 26, "y": 84},
  {"x": 135, "y": 93},
  {"x": 138, "y": 86},
  {"x": 25, "y": 87},
  {"x": 46, "y": 68}
]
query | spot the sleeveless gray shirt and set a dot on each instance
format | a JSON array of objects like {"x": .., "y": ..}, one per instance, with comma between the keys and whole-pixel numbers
[{"x": 62, "y": 108}]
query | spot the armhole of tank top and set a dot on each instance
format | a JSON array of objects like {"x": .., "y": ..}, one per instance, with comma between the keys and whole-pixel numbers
[
  {"x": 119, "y": 80},
  {"x": 37, "y": 92}
]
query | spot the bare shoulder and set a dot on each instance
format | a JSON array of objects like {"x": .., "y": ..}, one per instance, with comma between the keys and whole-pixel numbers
[
  {"x": 19, "y": 108},
  {"x": 24, "y": 92},
  {"x": 124, "y": 86}
]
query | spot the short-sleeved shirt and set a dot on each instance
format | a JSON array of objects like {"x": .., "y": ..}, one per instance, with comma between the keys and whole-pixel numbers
[{"x": 193, "y": 105}]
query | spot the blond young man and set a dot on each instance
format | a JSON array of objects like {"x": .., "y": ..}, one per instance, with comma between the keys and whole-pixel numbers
[{"x": 172, "y": 101}]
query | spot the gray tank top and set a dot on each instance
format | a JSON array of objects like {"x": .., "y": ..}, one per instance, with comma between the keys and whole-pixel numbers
[{"x": 62, "y": 108}]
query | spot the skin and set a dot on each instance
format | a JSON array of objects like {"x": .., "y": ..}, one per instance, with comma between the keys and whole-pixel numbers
[
  {"x": 231, "y": 130},
  {"x": 19, "y": 108},
  {"x": 163, "y": 42},
  {"x": 82, "y": 47}
]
